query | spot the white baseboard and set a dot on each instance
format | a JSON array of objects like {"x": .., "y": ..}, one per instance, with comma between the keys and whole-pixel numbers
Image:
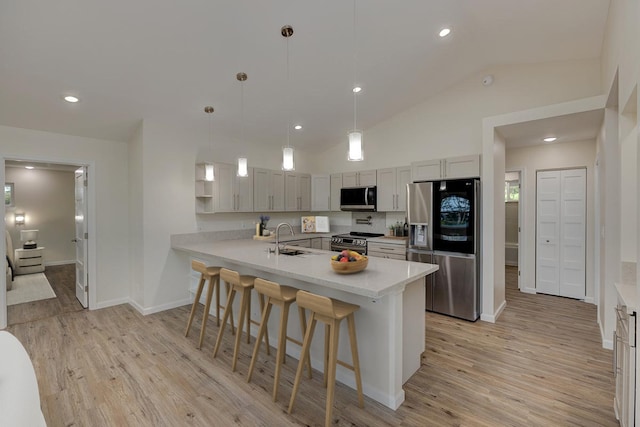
[
  {"x": 590, "y": 300},
  {"x": 528, "y": 290},
  {"x": 110, "y": 303},
  {"x": 158, "y": 308},
  {"x": 491, "y": 318},
  {"x": 608, "y": 344}
]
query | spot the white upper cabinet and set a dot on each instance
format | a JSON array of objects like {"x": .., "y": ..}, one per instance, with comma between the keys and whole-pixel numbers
[
  {"x": 392, "y": 194},
  {"x": 450, "y": 168},
  {"x": 336, "y": 185},
  {"x": 268, "y": 190},
  {"x": 320, "y": 193},
  {"x": 231, "y": 192},
  {"x": 359, "y": 179},
  {"x": 297, "y": 188}
]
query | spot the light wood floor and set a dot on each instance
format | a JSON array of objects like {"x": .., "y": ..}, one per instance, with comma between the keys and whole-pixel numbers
[
  {"x": 541, "y": 364},
  {"x": 62, "y": 280}
]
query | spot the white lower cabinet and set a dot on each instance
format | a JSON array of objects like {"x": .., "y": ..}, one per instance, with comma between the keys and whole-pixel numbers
[
  {"x": 387, "y": 248},
  {"x": 624, "y": 355}
]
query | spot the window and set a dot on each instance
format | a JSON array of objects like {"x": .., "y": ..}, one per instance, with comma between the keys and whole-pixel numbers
[
  {"x": 8, "y": 194},
  {"x": 511, "y": 191}
]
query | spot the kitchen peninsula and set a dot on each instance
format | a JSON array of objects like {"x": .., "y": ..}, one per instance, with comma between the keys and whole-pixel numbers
[{"x": 391, "y": 295}]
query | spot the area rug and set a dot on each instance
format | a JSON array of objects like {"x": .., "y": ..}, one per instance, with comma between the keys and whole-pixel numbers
[{"x": 29, "y": 287}]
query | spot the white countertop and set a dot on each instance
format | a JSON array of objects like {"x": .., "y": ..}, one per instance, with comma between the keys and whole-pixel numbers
[
  {"x": 400, "y": 241},
  {"x": 381, "y": 277},
  {"x": 627, "y": 296}
]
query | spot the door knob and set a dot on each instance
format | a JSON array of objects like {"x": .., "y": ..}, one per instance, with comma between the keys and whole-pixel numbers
[{"x": 74, "y": 240}]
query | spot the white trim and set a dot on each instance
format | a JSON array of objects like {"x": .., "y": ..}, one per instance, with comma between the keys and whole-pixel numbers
[
  {"x": 590, "y": 300},
  {"x": 528, "y": 290},
  {"x": 110, "y": 303},
  {"x": 64, "y": 262},
  {"x": 491, "y": 318},
  {"x": 158, "y": 308}
]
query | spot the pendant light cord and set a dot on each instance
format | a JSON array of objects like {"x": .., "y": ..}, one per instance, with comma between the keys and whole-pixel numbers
[
  {"x": 355, "y": 94},
  {"x": 288, "y": 96}
]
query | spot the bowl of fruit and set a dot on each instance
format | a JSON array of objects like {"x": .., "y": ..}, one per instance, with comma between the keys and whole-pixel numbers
[{"x": 347, "y": 262}]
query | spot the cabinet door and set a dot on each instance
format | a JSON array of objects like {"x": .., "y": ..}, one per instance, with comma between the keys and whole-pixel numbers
[
  {"x": 316, "y": 243},
  {"x": 336, "y": 185},
  {"x": 304, "y": 192},
  {"x": 425, "y": 170},
  {"x": 224, "y": 191},
  {"x": 403, "y": 177},
  {"x": 326, "y": 243},
  {"x": 386, "y": 190},
  {"x": 244, "y": 192},
  {"x": 320, "y": 193},
  {"x": 290, "y": 191},
  {"x": 261, "y": 190},
  {"x": 462, "y": 167},
  {"x": 350, "y": 179},
  {"x": 367, "y": 178},
  {"x": 277, "y": 191}
]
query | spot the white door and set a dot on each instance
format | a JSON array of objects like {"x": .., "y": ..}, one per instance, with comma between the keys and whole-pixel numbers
[
  {"x": 548, "y": 232},
  {"x": 573, "y": 229},
  {"x": 82, "y": 285},
  {"x": 560, "y": 233}
]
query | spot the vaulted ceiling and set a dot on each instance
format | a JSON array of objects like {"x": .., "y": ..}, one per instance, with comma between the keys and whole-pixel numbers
[{"x": 165, "y": 60}]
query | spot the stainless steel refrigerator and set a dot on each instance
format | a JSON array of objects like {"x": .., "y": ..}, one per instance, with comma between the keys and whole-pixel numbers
[{"x": 444, "y": 229}]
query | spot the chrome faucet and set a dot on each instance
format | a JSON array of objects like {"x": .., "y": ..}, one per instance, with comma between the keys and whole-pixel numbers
[{"x": 277, "y": 250}]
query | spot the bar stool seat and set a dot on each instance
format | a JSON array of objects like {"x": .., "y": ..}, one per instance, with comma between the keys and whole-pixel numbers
[
  {"x": 330, "y": 312},
  {"x": 243, "y": 284},
  {"x": 212, "y": 275},
  {"x": 282, "y": 296}
]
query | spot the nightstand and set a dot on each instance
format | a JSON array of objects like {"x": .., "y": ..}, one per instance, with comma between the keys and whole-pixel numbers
[{"x": 29, "y": 260}]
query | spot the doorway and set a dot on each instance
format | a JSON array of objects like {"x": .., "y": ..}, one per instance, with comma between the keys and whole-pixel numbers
[
  {"x": 561, "y": 222},
  {"x": 45, "y": 199},
  {"x": 513, "y": 226}
]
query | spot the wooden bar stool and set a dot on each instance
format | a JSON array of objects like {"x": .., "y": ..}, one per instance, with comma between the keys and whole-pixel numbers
[
  {"x": 212, "y": 275},
  {"x": 244, "y": 285},
  {"x": 283, "y": 297},
  {"x": 330, "y": 312}
]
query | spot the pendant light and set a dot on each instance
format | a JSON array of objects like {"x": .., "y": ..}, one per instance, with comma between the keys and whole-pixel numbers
[
  {"x": 355, "y": 153},
  {"x": 243, "y": 170},
  {"x": 287, "y": 152},
  {"x": 208, "y": 167}
]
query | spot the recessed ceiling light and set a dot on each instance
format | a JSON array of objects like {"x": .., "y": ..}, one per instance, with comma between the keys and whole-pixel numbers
[
  {"x": 550, "y": 139},
  {"x": 28, "y": 167},
  {"x": 297, "y": 127},
  {"x": 357, "y": 89},
  {"x": 71, "y": 99},
  {"x": 444, "y": 32}
]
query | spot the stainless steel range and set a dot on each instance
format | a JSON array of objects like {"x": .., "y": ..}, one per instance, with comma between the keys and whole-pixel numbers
[{"x": 354, "y": 241}]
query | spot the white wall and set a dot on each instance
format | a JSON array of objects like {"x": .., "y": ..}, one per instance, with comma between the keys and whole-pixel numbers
[
  {"x": 555, "y": 156},
  {"x": 450, "y": 123},
  {"x": 108, "y": 178},
  {"x": 47, "y": 198}
]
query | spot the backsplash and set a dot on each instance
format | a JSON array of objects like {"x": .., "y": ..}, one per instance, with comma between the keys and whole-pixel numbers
[{"x": 369, "y": 222}]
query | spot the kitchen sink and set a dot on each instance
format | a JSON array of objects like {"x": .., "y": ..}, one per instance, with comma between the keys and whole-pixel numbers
[{"x": 292, "y": 252}]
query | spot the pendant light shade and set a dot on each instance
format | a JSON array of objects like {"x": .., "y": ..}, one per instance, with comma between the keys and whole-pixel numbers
[
  {"x": 355, "y": 153},
  {"x": 355, "y": 146},
  {"x": 287, "y": 159},
  {"x": 243, "y": 170},
  {"x": 287, "y": 152},
  {"x": 209, "y": 174}
]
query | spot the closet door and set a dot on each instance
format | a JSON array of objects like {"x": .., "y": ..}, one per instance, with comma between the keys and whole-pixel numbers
[
  {"x": 573, "y": 226},
  {"x": 548, "y": 232},
  {"x": 561, "y": 233}
]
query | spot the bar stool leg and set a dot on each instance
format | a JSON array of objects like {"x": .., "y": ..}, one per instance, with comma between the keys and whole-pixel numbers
[
  {"x": 195, "y": 305},
  {"x": 303, "y": 324},
  {"x": 282, "y": 346},
  {"x": 218, "y": 304},
  {"x": 244, "y": 302},
  {"x": 333, "y": 359},
  {"x": 306, "y": 343},
  {"x": 227, "y": 312},
  {"x": 263, "y": 327},
  {"x": 351, "y": 323},
  {"x": 327, "y": 348},
  {"x": 213, "y": 282}
]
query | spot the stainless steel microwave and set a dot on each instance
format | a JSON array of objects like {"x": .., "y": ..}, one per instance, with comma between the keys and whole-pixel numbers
[{"x": 358, "y": 199}]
